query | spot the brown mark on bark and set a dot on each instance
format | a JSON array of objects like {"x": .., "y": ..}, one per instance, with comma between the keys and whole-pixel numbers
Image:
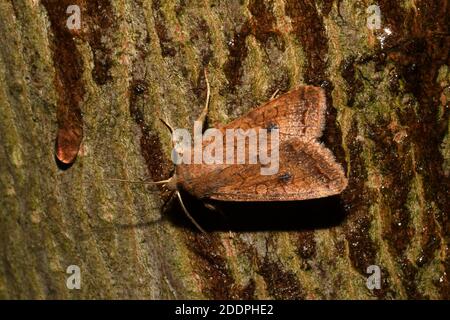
[{"x": 69, "y": 68}]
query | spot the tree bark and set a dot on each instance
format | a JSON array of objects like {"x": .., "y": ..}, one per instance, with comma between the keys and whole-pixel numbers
[{"x": 135, "y": 61}]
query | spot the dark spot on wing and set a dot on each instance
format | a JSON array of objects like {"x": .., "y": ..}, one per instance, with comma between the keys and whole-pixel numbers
[
  {"x": 285, "y": 177},
  {"x": 272, "y": 126}
]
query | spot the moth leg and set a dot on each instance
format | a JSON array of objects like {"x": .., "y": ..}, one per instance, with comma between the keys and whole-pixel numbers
[
  {"x": 209, "y": 206},
  {"x": 187, "y": 213},
  {"x": 167, "y": 201},
  {"x": 218, "y": 210},
  {"x": 202, "y": 115},
  {"x": 274, "y": 94},
  {"x": 214, "y": 208}
]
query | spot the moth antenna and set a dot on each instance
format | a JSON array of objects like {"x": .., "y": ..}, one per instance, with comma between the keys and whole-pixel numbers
[
  {"x": 140, "y": 182},
  {"x": 202, "y": 116},
  {"x": 187, "y": 213},
  {"x": 166, "y": 123}
]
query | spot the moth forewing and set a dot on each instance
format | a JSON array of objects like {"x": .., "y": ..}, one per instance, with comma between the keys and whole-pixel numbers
[
  {"x": 307, "y": 171},
  {"x": 305, "y": 168},
  {"x": 299, "y": 112}
]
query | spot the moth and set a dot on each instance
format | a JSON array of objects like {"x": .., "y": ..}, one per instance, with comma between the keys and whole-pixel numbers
[{"x": 307, "y": 169}]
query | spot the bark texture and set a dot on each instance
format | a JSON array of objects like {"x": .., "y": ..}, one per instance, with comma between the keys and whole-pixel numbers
[{"x": 134, "y": 61}]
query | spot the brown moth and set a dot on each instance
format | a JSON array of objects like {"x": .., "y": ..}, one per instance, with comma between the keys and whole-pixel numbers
[{"x": 307, "y": 169}]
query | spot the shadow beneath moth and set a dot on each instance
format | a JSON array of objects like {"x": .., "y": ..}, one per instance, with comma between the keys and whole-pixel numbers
[{"x": 306, "y": 168}]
